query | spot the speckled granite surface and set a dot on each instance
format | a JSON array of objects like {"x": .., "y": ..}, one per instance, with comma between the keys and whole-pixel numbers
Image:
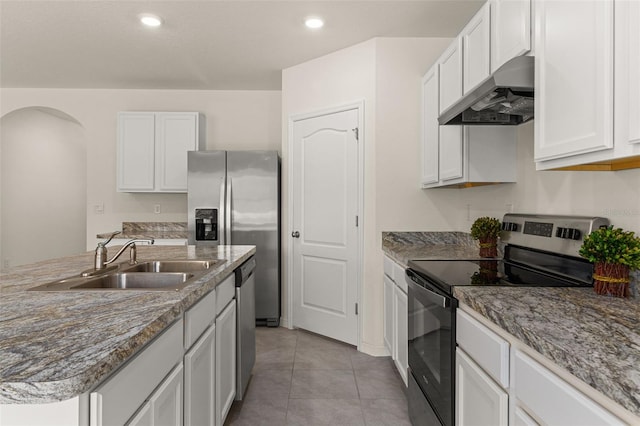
[
  {"x": 404, "y": 246},
  {"x": 596, "y": 338},
  {"x": 160, "y": 230},
  {"x": 56, "y": 345}
]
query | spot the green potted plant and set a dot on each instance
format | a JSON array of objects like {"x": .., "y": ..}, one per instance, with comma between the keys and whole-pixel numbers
[
  {"x": 486, "y": 230},
  {"x": 614, "y": 252}
]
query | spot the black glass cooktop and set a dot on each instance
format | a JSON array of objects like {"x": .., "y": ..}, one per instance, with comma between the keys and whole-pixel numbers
[{"x": 449, "y": 273}]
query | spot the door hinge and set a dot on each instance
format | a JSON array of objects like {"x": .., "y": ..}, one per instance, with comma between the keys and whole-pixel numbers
[
  {"x": 356, "y": 221},
  {"x": 356, "y": 130},
  {"x": 356, "y": 309}
]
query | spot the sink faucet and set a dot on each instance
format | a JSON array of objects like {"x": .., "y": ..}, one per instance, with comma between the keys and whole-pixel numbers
[{"x": 101, "y": 262}]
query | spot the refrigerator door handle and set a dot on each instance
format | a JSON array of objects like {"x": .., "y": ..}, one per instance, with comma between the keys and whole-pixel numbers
[
  {"x": 227, "y": 211},
  {"x": 222, "y": 226}
]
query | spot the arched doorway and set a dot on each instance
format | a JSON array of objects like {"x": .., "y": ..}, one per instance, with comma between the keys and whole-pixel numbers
[{"x": 43, "y": 156}]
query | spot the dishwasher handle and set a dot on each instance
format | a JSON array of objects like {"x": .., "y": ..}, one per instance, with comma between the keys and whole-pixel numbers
[{"x": 245, "y": 270}]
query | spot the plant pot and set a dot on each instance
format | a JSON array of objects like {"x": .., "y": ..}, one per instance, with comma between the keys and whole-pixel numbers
[
  {"x": 488, "y": 247},
  {"x": 611, "y": 279}
]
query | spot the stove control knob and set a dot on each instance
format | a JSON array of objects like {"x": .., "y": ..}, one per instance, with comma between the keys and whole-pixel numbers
[
  {"x": 574, "y": 234},
  {"x": 509, "y": 226}
]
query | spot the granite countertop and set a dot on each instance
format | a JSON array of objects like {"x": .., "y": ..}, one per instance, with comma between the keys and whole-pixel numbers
[
  {"x": 157, "y": 230},
  {"x": 595, "y": 338},
  {"x": 405, "y": 246},
  {"x": 57, "y": 345}
]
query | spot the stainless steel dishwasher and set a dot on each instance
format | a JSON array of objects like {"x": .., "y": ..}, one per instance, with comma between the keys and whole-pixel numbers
[{"x": 245, "y": 325}]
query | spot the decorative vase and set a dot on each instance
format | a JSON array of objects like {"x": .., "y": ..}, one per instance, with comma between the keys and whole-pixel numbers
[
  {"x": 611, "y": 279},
  {"x": 489, "y": 247}
]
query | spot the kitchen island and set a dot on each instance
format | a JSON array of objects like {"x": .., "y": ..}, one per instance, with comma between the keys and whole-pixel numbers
[{"x": 59, "y": 345}]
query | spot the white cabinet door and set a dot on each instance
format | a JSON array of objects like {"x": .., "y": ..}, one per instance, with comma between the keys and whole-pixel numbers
[
  {"x": 510, "y": 30},
  {"x": 388, "y": 332},
  {"x": 166, "y": 401},
  {"x": 479, "y": 400},
  {"x": 225, "y": 361},
  {"x": 475, "y": 49},
  {"x": 136, "y": 146},
  {"x": 430, "y": 127},
  {"x": 450, "y": 79},
  {"x": 573, "y": 77},
  {"x": 200, "y": 379},
  {"x": 152, "y": 149},
  {"x": 451, "y": 152},
  {"x": 144, "y": 416},
  {"x": 627, "y": 72},
  {"x": 176, "y": 133},
  {"x": 521, "y": 418},
  {"x": 401, "y": 332}
]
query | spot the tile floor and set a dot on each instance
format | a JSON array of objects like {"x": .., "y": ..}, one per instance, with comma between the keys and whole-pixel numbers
[{"x": 304, "y": 379}]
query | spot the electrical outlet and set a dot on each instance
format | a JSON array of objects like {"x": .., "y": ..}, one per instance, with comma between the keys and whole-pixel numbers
[
  {"x": 98, "y": 208},
  {"x": 156, "y": 208},
  {"x": 509, "y": 207},
  {"x": 6, "y": 264}
]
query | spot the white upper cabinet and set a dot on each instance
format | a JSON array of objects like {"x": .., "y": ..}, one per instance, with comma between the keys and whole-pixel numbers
[
  {"x": 430, "y": 127},
  {"x": 152, "y": 149},
  {"x": 476, "y": 49},
  {"x": 450, "y": 71},
  {"x": 573, "y": 77},
  {"x": 587, "y": 69},
  {"x": 627, "y": 72},
  {"x": 510, "y": 30}
]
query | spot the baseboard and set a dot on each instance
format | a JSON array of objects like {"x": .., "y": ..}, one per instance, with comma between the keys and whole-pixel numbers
[
  {"x": 374, "y": 350},
  {"x": 284, "y": 323}
]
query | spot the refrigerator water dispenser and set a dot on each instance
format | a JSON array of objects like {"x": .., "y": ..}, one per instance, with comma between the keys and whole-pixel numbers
[{"x": 206, "y": 224}]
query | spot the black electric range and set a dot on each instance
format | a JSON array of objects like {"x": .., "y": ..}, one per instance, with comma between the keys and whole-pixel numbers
[{"x": 540, "y": 251}]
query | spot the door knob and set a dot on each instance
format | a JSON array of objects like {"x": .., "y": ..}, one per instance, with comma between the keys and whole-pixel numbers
[{"x": 295, "y": 234}]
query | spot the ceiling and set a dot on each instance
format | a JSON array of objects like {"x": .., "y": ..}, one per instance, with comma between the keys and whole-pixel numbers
[{"x": 213, "y": 44}]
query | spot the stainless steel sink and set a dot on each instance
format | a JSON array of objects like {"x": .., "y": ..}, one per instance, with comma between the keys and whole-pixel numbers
[
  {"x": 160, "y": 266},
  {"x": 150, "y": 275}
]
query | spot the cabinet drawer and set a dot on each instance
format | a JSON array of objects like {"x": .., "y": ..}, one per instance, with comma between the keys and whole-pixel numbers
[
  {"x": 552, "y": 400},
  {"x": 198, "y": 318},
  {"x": 116, "y": 400},
  {"x": 225, "y": 291},
  {"x": 398, "y": 272},
  {"x": 488, "y": 350},
  {"x": 387, "y": 265}
]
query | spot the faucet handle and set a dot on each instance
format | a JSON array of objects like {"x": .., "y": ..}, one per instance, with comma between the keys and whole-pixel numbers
[{"x": 113, "y": 234}]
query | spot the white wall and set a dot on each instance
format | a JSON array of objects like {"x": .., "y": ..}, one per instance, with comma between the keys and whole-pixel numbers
[
  {"x": 44, "y": 154},
  {"x": 615, "y": 195},
  {"x": 235, "y": 120}
]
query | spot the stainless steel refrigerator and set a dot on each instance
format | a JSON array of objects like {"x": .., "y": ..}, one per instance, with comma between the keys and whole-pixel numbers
[{"x": 234, "y": 198}]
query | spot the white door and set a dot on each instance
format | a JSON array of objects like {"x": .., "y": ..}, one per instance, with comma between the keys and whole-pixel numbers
[{"x": 324, "y": 224}]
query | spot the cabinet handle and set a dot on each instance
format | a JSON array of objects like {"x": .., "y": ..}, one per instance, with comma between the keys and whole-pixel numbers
[{"x": 295, "y": 234}]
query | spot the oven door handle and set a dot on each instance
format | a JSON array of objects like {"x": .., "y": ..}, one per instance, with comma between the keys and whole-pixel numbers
[{"x": 421, "y": 287}]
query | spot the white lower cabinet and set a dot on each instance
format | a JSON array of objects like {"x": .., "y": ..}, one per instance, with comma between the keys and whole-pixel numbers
[
  {"x": 120, "y": 397},
  {"x": 389, "y": 327},
  {"x": 225, "y": 361},
  {"x": 479, "y": 399},
  {"x": 200, "y": 380},
  {"x": 164, "y": 407},
  {"x": 396, "y": 316},
  {"x": 497, "y": 383},
  {"x": 402, "y": 344}
]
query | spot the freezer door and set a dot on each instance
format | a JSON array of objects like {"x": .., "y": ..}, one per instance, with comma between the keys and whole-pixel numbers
[
  {"x": 253, "y": 181},
  {"x": 206, "y": 181}
]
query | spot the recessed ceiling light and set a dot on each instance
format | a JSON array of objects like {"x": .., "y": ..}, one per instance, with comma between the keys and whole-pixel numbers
[
  {"x": 150, "y": 20},
  {"x": 314, "y": 23}
]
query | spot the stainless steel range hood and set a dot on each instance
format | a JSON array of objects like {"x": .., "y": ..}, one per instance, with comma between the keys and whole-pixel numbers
[{"x": 504, "y": 98}]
